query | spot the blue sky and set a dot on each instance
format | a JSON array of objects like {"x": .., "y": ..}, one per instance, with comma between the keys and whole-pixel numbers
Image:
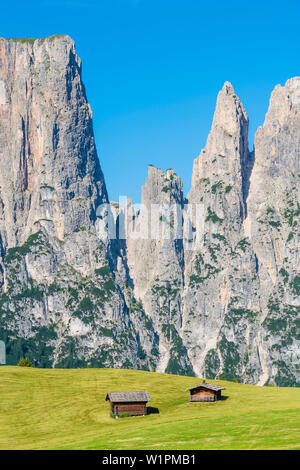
[{"x": 153, "y": 68}]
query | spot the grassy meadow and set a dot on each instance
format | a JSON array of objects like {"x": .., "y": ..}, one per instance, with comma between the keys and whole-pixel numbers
[{"x": 66, "y": 409}]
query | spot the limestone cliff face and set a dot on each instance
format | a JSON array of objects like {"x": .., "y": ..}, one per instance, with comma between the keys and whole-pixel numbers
[
  {"x": 155, "y": 259},
  {"x": 47, "y": 142},
  {"x": 226, "y": 153},
  {"x": 59, "y": 293},
  {"x": 237, "y": 267},
  {"x": 241, "y": 298},
  {"x": 273, "y": 227},
  {"x": 220, "y": 302},
  {"x": 207, "y": 285}
]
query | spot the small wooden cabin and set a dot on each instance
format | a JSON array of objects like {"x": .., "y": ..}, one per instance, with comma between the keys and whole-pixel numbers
[
  {"x": 205, "y": 392},
  {"x": 133, "y": 403}
]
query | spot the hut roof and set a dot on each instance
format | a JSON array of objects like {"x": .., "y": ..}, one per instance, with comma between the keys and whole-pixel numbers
[
  {"x": 215, "y": 388},
  {"x": 118, "y": 397}
]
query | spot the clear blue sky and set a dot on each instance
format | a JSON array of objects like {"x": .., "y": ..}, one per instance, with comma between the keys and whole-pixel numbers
[{"x": 153, "y": 68}]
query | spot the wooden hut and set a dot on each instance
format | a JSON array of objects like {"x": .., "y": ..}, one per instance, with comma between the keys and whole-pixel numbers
[
  {"x": 133, "y": 403},
  {"x": 205, "y": 392}
]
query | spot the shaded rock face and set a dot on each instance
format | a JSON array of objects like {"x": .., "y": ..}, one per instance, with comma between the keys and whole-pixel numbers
[{"x": 207, "y": 285}]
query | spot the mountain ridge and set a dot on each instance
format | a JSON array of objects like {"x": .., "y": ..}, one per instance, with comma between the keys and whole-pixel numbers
[{"x": 222, "y": 300}]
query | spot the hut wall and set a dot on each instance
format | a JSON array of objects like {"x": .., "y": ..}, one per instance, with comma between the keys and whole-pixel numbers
[
  {"x": 135, "y": 409},
  {"x": 203, "y": 392},
  {"x": 203, "y": 395}
]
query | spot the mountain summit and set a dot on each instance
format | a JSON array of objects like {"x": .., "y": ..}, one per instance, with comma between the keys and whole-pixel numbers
[{"x": 220, "y": 299}]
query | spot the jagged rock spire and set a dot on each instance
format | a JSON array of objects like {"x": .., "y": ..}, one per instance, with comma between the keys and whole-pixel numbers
[
  {"x": 58, "y": 287},
  {"x": 229, "y": 307},
  {"x": 225, "y": 155},
  {"x": 156, "y": 266}
]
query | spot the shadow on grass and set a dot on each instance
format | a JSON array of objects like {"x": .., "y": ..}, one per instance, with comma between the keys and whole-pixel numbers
[
  {"x": 224, "y": 397},
  {"x": 152, "y": 411}
]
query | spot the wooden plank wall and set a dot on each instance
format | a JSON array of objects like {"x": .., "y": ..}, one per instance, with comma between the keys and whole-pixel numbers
[
  {"x": 203, "y": 391},
  {"x": 203, "y": 394},
  {"x": 135, "y": 409}
]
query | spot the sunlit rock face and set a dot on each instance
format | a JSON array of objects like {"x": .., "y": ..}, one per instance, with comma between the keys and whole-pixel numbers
[
  {"x": 59, "y": 289},
  {"x": 273, "y": 227},
  {"x": 220, "y": 302},
  {"x": 156, "y": 265},
  {"x": 237, "y": 310},
  {"x": 206, "y": 285}
]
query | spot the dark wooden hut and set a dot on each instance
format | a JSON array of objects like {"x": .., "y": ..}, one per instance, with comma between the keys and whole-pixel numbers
[
  {"x": 133, "y": 403},
  {"x": 205, "y": 392}
]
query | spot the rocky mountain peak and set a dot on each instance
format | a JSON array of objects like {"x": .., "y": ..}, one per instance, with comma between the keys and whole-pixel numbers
[
  {"x": 230, "y": 113},
  {"x": 54, "y": 180},
  {"x": 284, "y": 104},
  {"x": 224, "y": 162},
  {"x": 221, "y": 302},
  {"x": 228, "y": 88},
  {"x": 59, "y": 289},
  {"x": 162, "y": 187}
]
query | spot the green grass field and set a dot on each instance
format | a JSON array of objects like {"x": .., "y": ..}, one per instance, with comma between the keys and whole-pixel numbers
[{"x": 66, "y": 409}]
